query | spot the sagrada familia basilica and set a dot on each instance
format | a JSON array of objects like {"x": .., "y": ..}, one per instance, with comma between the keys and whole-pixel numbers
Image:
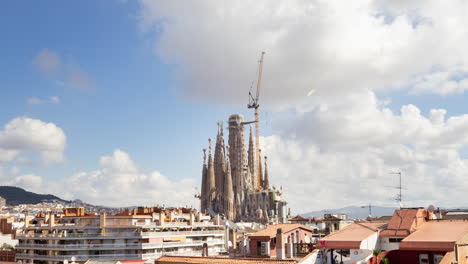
[{"x": 235, "y": 180}]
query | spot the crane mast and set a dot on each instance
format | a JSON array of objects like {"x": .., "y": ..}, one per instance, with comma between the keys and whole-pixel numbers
[{"x": 253, "y": 103}]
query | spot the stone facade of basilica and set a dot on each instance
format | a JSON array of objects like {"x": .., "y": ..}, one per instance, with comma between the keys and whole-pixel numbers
[{"x": 235, "y": 181}]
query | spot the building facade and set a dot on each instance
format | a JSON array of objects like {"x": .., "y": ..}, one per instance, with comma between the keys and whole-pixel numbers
[
  {"x": 144, "y": 233},
  {"x": 281, "y": 241},
  {"x": 235, "y": 182}
]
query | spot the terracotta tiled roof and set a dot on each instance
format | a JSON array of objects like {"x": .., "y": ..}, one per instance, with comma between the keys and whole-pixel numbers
[
  {"x": 332, "y": 218},
  {"x": 298, "y": 218},
  {"x": 435, "y": 235},
  {"x": 351, "y": 236},
  {"x": 219, "y": 260},
  {"x": 271, "y": 230},
  {"x": 404, "y": 222}
]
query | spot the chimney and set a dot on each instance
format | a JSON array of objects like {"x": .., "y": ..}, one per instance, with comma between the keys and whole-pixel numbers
[
  {"x": 234, "y": 239},
  {"x": 192, "y": 219},
  {"x": 280, "y": 244},
  {"x": 171, "y": 216},
  {"x": 51, "y": 220},
  {"x": 46, "y": 218},
  {"x": 161, "y": 218},
  {"x": 217, "y": 219},
  {"x": 200, "y": 216},
  {"x": 26, "y": 220},
  {"x": 102, "y": 220}
]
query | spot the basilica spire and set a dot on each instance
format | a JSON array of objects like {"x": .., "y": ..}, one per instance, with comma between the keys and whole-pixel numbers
[
  {"x": 266, "y": 181},
  {"x": 219, "y": 163},
  {"x": 203, "y": 194},
  {"x": 210, "y": 184},
  {"x": 228, "y": 191},
  {"x": 251, "y": 162},
  {"x": 260, "y": 171}
]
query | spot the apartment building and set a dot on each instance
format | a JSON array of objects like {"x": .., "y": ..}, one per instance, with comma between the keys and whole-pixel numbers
[
  {"x": 142, "y": 233},
  {"x": 412, "y": 235}
]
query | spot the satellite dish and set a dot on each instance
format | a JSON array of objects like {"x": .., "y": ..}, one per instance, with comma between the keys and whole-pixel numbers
[{"x": 431, "y": 208}]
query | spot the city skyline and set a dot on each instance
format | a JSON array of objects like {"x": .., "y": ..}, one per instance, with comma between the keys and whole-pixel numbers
[{"x": 105, "y": 98}]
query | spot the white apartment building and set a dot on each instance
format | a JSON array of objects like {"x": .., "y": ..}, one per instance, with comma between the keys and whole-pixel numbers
[{"x": 145, "y": 233}]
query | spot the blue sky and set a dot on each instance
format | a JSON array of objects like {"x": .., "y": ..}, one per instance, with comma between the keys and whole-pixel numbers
[
  {"x": 133, "y": 89},
  {"x": 133, "y": 104}
]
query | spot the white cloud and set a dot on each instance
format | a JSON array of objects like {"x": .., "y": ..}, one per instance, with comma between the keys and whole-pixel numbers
[
  {"x": 12, "y": 177},
  {"x": 54, "y": 99},
  {"x": 36, "y": 100},
  {"x": 118, "y": 182},
  {"x": 329, "y": 46},
  {"x": 47, "y": 61},
  {"x": 77, "y": 78},
  {"x": 7, "y": 155},
  {"x": 68, "y": 74},
  {"x": 342, "y": 154},
  {"x": 24, "y": 134},
  {"x": 336, "y": 146}
]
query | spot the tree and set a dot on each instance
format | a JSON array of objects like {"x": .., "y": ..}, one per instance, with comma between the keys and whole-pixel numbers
[
  {"x": 385, "y": 260},
  {"x": 6, "y": 246}
]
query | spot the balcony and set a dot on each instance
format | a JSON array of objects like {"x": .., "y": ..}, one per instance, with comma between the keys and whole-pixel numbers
[
  {"x": 84, "y": 257},
  {"x": 137, "y": 224},
  {"x": 121, "y": 235},
  {"x": 84, "y": 247},
  {"x": 80, "y": 257}
]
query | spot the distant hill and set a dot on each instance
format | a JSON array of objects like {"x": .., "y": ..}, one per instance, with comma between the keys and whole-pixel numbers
[
  {"x": 354, "y": 212},
  {"x": 15, "y": 196}
]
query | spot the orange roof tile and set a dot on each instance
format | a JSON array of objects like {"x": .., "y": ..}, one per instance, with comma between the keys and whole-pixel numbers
[
  {"x": 404, "y": 222},
  {"x": 351, "y": 236},
  {"x": 435, "y": 235},
  {"x": 298, "y": 218},
  {"x": 271, "y": 230},
  {"x": 220, "y": 260}
]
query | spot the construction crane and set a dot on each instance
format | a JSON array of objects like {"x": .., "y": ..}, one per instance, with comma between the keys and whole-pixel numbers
[{"x": 253, "y": 103}]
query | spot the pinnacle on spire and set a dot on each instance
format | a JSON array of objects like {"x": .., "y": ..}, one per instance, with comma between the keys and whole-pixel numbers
[
  {"x": 209, "y": 147},
  {"x": 204, "y": 155},
  {"x": 220, "y": 128},
  {"x": 227, "y": 153}
]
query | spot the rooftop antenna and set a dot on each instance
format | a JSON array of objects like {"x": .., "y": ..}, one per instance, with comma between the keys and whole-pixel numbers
[
  {"x": 370, "y": 208},
  {"x": 399, "y": 197}
]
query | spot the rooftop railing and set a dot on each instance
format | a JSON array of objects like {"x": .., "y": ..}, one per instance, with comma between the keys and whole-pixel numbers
[
  {"x": 141, "y": 225},
  {"x": 118, "y": 246},
  {"x": 85, "y": 257},
  {"x": 122, "y": 234}
]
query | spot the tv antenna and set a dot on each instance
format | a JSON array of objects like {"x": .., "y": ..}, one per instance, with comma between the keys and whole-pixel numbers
[
  {"x": 399, "y": 197},
  {"x": 370, "y": 208}
]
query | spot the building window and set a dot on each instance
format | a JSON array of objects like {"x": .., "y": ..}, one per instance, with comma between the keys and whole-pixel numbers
[
  {"x": 395, "y": 239},
  {"x": 423, "y": 259}
]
